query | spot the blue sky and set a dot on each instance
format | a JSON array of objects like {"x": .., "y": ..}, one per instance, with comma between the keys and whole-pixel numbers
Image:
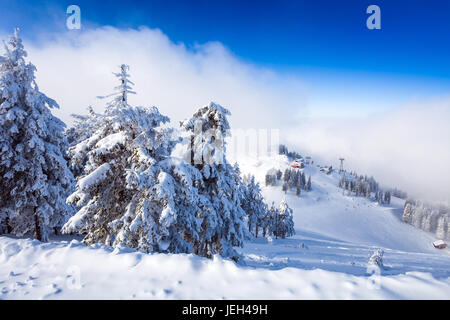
[
  {"x": 389, "y": 88},
  {"x": 327, "y": 42}
]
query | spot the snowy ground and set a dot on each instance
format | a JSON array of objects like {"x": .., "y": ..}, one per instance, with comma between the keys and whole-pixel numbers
[{"x": 327, "y": 259}]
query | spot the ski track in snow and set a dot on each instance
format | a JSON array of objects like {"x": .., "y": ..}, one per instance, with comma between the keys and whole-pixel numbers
[{"x": 326, "y": 259}]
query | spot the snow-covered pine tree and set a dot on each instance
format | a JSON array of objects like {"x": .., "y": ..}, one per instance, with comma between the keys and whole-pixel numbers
[
  {"x": 447, "y": 233},
  {"x": 162, "y": 215},
  {"x": 285, "y": 187},
  {"x": 387, "y": 197},
  {"x": 287, "y": 175},
  {"x": 284, "y": 221},
  {"x": 83, "y": 128},
  {"x": 102, "y": 192},
  {"x": 253, "y": 205},
  {"x": 433, "y": 220},
  {"x": 238, "y": 175},
  {"x": 295, "y": 176},
  {"x": 266, "y": 221},
  {"x": 279, "y": 174},
  {"x": 426, "y": 222},
  {"x": 380, "y": 197},
  {"x": 268, "y": 179},
  {"x": 276, "y": 223},
  {"x": 132, "y": 193},
  {"x": 357, "y": 188},
  {"x": 376, "y": 259},
  {"x": 342, "y": 181},
  {"x": 271, "y": 220},
  {"x": 5, "y": 216},
  {"x": 303, "y": 177},
  {"x": 441, "y": 230},
  {"x": 240, "y": 182},
  {"x": 282, "y": 149},
  {"x": 308, "y": 184},
  {"x": 33, "y": 165},
  {"x": 417, "y": 217},
  {"x": 223, "y": 220},
  {"x": 271, "y": 177},
  {"x": 408, "y": 211},
  {"x": 367, "y": 191},
  {"x": 430, "y": 220}
]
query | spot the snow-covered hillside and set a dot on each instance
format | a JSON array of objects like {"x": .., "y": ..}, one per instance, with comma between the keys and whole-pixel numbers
[
  {"x": 337, "y": 232},
  {"x": 326, "y": 259},
  {"x": 70, "y": 270},
  {"x": 326, "y": 211}
]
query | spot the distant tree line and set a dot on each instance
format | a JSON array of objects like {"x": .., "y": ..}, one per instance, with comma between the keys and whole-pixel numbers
[
  {"x": 262, "y": 219},
  {"x": 359, "y": 185},
  {"x": 399, "y": 194},
  {"x": 291, "y": 179},
  {"x": 272, "y": 176},
  {"x": 428, "y": 217},
  {"x": 291, "y": 154}
]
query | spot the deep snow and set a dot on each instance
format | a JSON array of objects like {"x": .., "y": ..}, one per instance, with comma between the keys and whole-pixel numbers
[{"x": 326, "y": 259}]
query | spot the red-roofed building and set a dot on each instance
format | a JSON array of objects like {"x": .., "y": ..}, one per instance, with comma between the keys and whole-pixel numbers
[{"x": 439, "y": 244}]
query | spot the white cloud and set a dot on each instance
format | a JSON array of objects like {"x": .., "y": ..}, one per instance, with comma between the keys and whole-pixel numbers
[
  {"x": 76, "y": 67},
  {"x": 408, "y": 147}
]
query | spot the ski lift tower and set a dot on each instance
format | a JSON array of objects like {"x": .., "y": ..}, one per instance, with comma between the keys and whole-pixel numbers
[{"x": 341, "y": 168}]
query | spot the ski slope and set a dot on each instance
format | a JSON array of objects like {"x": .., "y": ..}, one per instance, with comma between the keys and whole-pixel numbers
[
  {"x": 326, "y": 259},
  {"x": 327, "y": 211}
]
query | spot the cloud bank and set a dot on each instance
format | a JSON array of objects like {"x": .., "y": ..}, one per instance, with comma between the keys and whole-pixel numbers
[
  {"x": 75, "y": 67},
  {"x": 407, "y": 147}
]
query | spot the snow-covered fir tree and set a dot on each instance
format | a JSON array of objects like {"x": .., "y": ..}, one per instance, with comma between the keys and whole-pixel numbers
[
  {"x": 33, "y": 165},
  {"x": 429, "y": 222},
  {"x": 298, "y": 189},
  {"x": 293, "y": 178},
  {"x": 84, "y": 127},
  {"x": 287, "y": 175},
  {"x": 272, "y": 177},
  {"x": 417, "y": 219},
  {"x": 285, "y": 187},
  {"x": 408, "y": 212},
  {"x": 376, "y": 259},
  {"x": 428, "y": 216},
  {"x": 303, "y": 178},
  {"x": 308, "y": 184},
  {"x": 132, "y": 193},
  {"x": 441, "y": 229},
  {"x": 223, "y": 219},
  {"x": 162, "y": 214},
  {"x": 269, "y": 180},
  {"x": 387, "y": 197},
  {"x": 240, "y": 182},
  {"x": 253, "y": 205},
  {"x": 5, "y": 220},
  {"x": 269, "y": 220},
  {"x": 279, "y": 174},
  {"x": 367, "y": 191},
  {"x": 283, "y": 221}
]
